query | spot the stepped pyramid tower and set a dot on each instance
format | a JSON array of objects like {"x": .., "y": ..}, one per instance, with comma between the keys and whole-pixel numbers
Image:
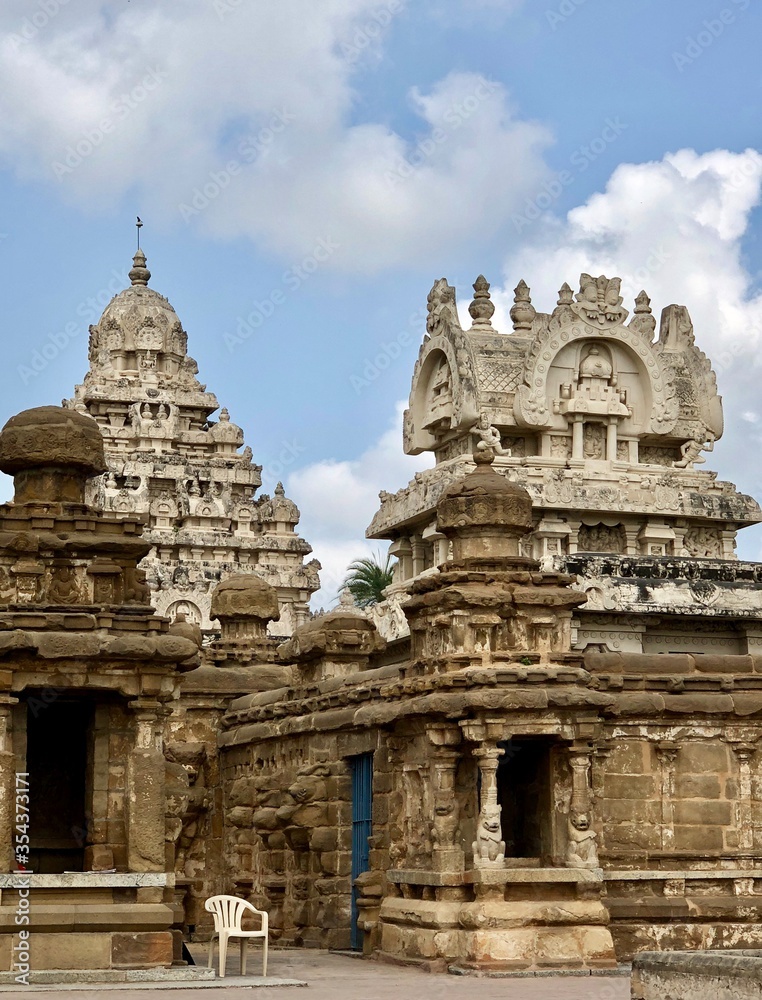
[{"x": 184, "y": 472}]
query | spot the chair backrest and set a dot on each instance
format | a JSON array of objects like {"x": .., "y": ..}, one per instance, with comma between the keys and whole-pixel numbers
[{"x": 228, "y": 911}]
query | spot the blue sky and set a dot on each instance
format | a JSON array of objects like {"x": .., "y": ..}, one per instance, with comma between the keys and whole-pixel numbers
[{"x": 305, "y": 171}]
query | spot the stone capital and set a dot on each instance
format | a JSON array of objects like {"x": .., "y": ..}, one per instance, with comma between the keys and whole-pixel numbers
[
  {"x": 667, "y": 751},
  {"x": 444, "y": 734}
]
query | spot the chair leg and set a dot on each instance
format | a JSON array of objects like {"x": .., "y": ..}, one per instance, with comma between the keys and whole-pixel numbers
[
  {"x": 264, "y": 957},
  {"x": 211, "y": 952},
  {"x": 243, "y": 955},
  {"x": 223, "y": 953}
]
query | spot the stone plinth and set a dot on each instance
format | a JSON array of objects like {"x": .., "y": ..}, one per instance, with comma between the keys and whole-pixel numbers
[
  {"x": 690, "y": 975},
  {"x": 83, "y": 921},
  {"x": 499, "y": 919}
]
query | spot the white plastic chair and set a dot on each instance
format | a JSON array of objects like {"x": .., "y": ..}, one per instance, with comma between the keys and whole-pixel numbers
[{"x": 228, "y": 914}]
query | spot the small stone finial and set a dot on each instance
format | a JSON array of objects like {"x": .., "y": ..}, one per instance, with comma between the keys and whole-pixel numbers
[
  {"x": 224, "y": 415},
  {"x": 139, "y": 273},
  {"x": 642, "y": 302},
  {"x": 482, "y": 308},
  {"x": 643, "y": 320},
  {"x": 522, "y": 311},
  {"x": 483, "y": 456},
  {"x": 565, "y": 294},
  {"x": 279, "y": 490}
]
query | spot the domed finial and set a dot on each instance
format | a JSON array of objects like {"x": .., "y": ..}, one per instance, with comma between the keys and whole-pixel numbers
[
  {"x": 522, "y": 311},
  {"x": 484, "y": 456},
  {"x": 279, "y": 490},
  {"x": 139, "y": 274},
  {"x": 482, "y": 308}
]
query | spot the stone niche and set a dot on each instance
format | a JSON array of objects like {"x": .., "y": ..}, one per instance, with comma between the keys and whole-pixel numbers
[{"x": 87, "y": 674}]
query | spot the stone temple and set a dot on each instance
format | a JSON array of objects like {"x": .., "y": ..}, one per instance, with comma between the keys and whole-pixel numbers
[
  {"x": 604, "y": 424},
  {"x": 541, "y": 752},
  {"x": 186, "y": 473}
]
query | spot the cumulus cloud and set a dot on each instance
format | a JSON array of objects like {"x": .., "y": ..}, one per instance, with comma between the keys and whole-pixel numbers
[
  {"x": 676, "y": 228},
  {"x": 236, "y": 119},
  {"x": 339, "y": 498}
]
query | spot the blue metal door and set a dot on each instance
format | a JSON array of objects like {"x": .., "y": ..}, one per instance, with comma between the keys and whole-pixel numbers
[{"x": 362, "y": 809}]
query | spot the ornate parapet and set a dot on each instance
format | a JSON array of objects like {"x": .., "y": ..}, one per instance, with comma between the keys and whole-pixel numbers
[{"x": 667, "y": 584}]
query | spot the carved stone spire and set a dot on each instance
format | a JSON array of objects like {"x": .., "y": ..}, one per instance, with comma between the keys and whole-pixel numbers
[
  {"x": 139, "y": 273},
  {"x": 643, "y": 320},
  {"x": 522, "y": 311},
  {"x": 482, "y": 308}
]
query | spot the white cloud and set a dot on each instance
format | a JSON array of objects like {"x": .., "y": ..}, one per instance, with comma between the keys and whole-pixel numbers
[
  {"x": 674, "y": 227},
  {"x": 241, "y": 112},
  {"x": 338, "y": 501}
]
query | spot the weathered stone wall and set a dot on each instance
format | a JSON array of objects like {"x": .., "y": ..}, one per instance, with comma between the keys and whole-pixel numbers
[
  {"x": 288, "y": 816},
  {"x": 697, "y": 976}
]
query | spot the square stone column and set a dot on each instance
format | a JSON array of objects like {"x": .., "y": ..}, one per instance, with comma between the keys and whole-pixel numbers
[
  {"x": 7, "y": 784},
  {"x": 447, "y": 852},
  {"x": 146, "y": 795}
]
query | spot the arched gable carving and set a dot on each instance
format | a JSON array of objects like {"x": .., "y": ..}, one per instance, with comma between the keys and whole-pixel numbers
[
  {"x": 445, "y": 355},
  {"x": 532, "y": 405}
]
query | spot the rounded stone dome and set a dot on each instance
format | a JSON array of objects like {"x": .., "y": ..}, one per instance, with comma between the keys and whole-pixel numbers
[
  {"x": 283, "y": 509},
  {"x": 47, "y": 436},
  {"x": 245, "y": 595},
  {"x": 140, "y": 314},
  {"x": 186, "y": 630},
  {"x": 485, "y": 498},
  {"x": 137, "y": 324}
]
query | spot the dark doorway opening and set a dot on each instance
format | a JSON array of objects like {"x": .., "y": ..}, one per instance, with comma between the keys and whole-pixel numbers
[
  {"x": 523, "y": 791},
  {"x": 56, "y": 760}
]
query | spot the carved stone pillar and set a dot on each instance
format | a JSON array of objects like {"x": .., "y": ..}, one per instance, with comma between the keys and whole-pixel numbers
[
  {"x": 578, "y": 449},
  {"x": 666, "y": 753},
  {"x": 145, "y": 791},
  {"x": 611, "y": 431},
  {"x": 7, "y": 785},
  {"x": 418, "y": 554},
  {"x": 489, "y": 847},
  {"x": 447, "y": 852},
  {"x": 401, "y": 548},
  {"x": 581, "y": 851},
  {"x": 744, "y": 816}
]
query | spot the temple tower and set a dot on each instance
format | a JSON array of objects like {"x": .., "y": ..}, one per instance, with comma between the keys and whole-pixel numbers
[
  {"x": 180, "y": 469},
  {"x": 602, "y": 417}
]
